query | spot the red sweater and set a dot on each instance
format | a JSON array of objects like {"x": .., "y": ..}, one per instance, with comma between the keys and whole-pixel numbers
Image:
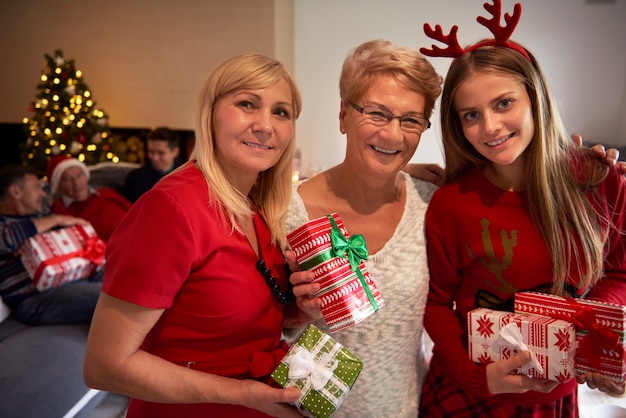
[
  {"x": 103, "y": 209},
  {"x": 482, "y": 248}
]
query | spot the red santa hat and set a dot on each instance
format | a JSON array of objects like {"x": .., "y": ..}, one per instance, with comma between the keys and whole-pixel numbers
[{"x": 57, "y": 165}]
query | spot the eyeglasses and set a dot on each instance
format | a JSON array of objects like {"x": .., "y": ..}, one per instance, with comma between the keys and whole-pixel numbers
[{"x": 381, "y": 117}]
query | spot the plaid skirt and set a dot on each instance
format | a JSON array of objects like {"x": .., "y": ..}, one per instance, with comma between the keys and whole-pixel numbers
[{"x": 442, "y": 399}]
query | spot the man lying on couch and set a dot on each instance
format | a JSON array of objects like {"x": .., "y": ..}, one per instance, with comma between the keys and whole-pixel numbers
[{"x": 21, "y": 217}]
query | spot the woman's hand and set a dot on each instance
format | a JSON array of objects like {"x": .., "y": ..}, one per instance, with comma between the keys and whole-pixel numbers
[
  {"x": 610, "y": 157},
  {"x": 597, "y": 381},
  {"x": 502, "y": 378},
  {"x": 304, "y": 288},
  {"x": 274, "y": 402},
  {"x": 428, "y": 172}
]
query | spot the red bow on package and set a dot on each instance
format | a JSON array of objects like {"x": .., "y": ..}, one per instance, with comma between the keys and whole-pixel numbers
[{"x": 597, "y": 339}]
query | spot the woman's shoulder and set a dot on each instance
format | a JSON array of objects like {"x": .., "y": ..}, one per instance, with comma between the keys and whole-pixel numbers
[{"x": 424, "y": 189}]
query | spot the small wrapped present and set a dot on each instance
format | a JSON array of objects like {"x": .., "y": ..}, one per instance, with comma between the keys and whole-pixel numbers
[
  {"x": 62, "y": 255},
  {"x": 599, "y": 330},
  {"x": 496, "y": 335},
  {"x": 322, "y": 369},
  {"x": 347, "y": 291}
]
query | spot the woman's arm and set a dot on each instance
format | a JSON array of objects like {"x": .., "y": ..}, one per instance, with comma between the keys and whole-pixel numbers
[{"x": 115, "y": 362}]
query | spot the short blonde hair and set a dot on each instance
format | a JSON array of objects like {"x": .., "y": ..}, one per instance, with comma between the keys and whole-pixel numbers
[{"x": 371, "y": 59}]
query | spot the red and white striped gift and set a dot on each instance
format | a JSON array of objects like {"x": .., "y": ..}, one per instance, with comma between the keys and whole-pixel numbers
[
  {"x": 62, "y": 255},
  {"x": 551, "y": 341},
  {"x": 600, "y": 330},
  {"x": 348, "y": 296}
]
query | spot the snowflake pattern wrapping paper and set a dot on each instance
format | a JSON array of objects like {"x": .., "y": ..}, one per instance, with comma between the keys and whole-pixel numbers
[
  {"x": 322, "y": 369},
  {"x": 62, "y": 255},
  {"x": 496, "y": 335},
  {"x": 600, "y": 327}
]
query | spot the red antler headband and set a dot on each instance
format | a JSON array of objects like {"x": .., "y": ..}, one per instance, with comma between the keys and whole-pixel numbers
[{"x": 501, "y": 33}]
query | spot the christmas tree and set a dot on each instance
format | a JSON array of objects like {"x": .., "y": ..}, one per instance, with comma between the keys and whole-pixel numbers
[{"x": 65, "y": 119}]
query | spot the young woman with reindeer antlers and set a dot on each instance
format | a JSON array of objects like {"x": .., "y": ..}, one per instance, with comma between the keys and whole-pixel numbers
[{"x": 522, "y": 209}]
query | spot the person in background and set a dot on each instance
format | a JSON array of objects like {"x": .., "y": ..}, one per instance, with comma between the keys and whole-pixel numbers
[
  {"x": 522, "y": 209},
  {"x": 196, "y": 292},
  {"x": 21, "y": 217},
  {"x": 387, "y": 96},
  {"x": 163, "y": 146},
  {"x": 72, "y": 195}
]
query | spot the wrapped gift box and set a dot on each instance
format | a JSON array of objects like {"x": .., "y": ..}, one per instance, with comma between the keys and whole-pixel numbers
[
  {"x": 496, "y": 335},
  {"x": 322, "y": 369},
  {"x": 599, "y": 330},
  {"x": 347, "y": 291},
  {"x": 62, "y": 255}
]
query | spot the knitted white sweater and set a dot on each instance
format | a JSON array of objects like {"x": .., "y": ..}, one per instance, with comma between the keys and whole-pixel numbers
[{"x": 390, "y": 342}]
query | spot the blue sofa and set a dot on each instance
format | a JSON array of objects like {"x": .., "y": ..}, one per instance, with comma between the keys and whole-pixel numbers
[{"x": 41, "y": 371}]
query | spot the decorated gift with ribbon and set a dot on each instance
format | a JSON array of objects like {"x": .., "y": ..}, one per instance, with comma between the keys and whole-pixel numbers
[
  {"x": 62, "y": 255},
  {"x": 496, "y": 335},
  {"x": 322, "y": 369},
  {"x": 347, "y": 291},
  {"x": 599, "y": 330}
]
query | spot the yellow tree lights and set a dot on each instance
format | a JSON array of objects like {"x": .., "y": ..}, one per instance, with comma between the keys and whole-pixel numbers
[{"x": 65, "y": 119}]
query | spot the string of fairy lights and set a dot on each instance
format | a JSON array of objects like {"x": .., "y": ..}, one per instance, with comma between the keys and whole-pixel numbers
[{"x": 65, "y": 119}]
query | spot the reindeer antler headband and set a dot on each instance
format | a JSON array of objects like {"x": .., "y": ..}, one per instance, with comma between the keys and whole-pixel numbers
[{"x": 501, "y": 34}]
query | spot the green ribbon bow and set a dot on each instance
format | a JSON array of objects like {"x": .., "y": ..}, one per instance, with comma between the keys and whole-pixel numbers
[{"x": 353, "y": 249}]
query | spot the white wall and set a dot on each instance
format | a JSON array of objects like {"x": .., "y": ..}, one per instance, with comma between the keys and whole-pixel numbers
[
  {"x": 579, "y": 45},
  {"x": 144, "y": 60}
]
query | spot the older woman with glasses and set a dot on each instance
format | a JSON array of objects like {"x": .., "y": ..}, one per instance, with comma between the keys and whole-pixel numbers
[{"x": 387, "y": 95}]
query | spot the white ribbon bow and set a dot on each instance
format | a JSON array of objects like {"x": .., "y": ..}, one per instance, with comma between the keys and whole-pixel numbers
[
  {"x": 302, "y": 365},
  {"x": 511, "y": 335}
]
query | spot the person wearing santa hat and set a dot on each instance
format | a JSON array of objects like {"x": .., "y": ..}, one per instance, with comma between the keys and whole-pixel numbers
[
  {"x": 22, "y": 216},
  {"x": 72, "y": 195}
]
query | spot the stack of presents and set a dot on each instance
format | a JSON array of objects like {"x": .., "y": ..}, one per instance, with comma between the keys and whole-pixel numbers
[{"x": 566, "y": 336}]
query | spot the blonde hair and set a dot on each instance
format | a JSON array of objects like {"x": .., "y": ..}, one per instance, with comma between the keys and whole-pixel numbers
[
  {"x": 271, "y": 192},
  {"x": 556, "y": 190},
  {"x": 369, "y": 60}
]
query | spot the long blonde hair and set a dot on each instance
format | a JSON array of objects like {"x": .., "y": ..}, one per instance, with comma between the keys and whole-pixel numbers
[
  {"x": 556, "y": 189},
  {"x": 272, "y": 190}
]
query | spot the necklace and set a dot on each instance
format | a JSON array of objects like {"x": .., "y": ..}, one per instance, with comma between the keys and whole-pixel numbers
[{"x": 282, "y": 297}]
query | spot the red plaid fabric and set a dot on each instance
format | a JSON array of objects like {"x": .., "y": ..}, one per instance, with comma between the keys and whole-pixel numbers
[{"x": 442, "y": 399}]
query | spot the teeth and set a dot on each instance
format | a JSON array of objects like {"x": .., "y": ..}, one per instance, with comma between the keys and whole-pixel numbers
[
  {"x": 501, "y": 141},
  {"x": 250, "y": 144},
  {"x": 384, "y": 151}
]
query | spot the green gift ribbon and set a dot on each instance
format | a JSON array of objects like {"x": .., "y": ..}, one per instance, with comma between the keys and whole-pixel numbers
[{"x": 352, "y": 248}]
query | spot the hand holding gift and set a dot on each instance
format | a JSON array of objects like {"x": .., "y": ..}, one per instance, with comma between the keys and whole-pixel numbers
[
  {"x": 322, "y": 369},
  {"x": 347, "y": 291},
  {"x": 495, "y": 335}
]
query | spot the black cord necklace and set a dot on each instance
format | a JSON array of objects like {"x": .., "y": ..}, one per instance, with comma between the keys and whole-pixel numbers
[{"x": 282, "y": 297}]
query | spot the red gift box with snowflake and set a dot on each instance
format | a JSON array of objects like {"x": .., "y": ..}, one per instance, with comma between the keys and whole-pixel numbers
[
  {"x": 600, "y": 328},
  {"x": 62, "y": 255},
  {"x": 496, "y": 335},
  {"x": 348, "y": 293}
]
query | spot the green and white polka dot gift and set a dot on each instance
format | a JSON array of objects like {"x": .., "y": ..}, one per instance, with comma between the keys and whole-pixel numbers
[{"x": 322, "y": 369}]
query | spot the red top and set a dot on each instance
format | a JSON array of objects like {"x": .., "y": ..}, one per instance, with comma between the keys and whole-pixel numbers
[
  {"x": 174, "y": 251},
  {"x": 103, "y": 209},
  {"x": 482, "y": 248}
]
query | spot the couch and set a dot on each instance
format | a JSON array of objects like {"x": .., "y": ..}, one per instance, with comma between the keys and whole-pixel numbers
[{"x": 41, "y": 366}]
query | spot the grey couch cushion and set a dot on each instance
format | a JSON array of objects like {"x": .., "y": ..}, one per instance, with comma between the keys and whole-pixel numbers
[{"x": 41, "y": 370}]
